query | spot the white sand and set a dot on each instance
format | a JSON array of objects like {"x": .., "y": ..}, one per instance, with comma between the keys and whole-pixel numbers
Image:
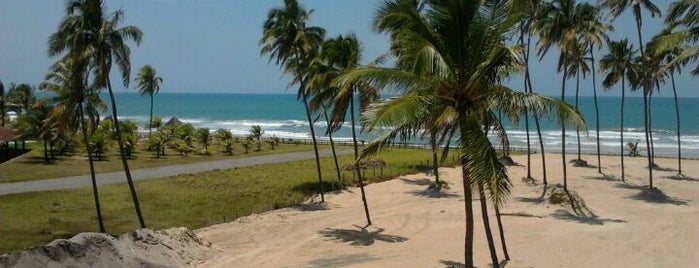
[{"x": 413, "y": 228}]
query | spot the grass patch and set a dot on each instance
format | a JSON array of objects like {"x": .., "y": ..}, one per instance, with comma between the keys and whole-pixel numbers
[
  {"x": 64, "y": 166},
  {"x": 191, "y": 200}
]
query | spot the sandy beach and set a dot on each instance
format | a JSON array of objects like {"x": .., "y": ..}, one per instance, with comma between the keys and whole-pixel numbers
[{"x": 413, "y": 227}]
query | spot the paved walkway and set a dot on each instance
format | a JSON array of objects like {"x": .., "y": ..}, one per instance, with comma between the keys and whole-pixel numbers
[{"x": 156, "y": 172}]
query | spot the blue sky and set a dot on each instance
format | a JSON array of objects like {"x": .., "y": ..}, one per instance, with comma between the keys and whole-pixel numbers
[{"x": 212, "y": 45}]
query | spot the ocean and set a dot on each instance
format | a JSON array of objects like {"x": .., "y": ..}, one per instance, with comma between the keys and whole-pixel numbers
[{"x": 283, "y": 116}]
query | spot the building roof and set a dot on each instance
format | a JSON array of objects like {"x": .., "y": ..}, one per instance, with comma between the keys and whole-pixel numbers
[{"x": 7, "y": 134}]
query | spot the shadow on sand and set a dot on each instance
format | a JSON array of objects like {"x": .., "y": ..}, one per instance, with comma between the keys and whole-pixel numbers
[
  {"x": 681, "y": 177},
  {"x": 455, "y": 264},
  {"x": 433, "y": 193},
  {"x": 602, "y": 177},
  {"x": 361, "y": 236},
  {"x": 657, "y": 196},
  {"x": 421, "y": 182},
  {"x": 592, "y": 219},
  {"x": 311, "y": 207}
]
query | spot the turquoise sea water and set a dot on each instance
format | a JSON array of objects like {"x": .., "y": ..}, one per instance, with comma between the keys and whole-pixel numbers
[{"x": 282, "y": 115}]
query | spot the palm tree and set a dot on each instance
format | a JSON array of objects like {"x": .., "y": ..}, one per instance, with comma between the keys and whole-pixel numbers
[
  {"x": 37, "y": 123},
  {"x": 593, "y": 33},
  {"x": 340, "y": 55},
  {"x": 617, "y": 64},
  {"x": 616, "y": 7},
  {"x": 556, "y": 24},
  {"x": 71, "y": 104},
  {"x": 577, "y": 65},
  {"x": 291, "y": 44},
  {"x": 95, "y": 42},
  {"x": 148, "y": 84},
  {"x": 459, "y": 79},
  {"x": 682, "y": 23}
]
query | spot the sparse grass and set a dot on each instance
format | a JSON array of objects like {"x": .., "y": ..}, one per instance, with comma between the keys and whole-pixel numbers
[
  {"x": 31, "y": 166},
  {"x": 191, "y": 200}
]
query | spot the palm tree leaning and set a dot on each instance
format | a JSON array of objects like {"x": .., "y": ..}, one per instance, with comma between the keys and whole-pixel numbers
[
  {"x": 93, "y": 38},
  {"x": 291, "y": 44},
  {"x": 449, "y": 72},
  {"x": 616, "y": 7},
  {"x": 342, "y": 55},
  {"x": 148, "y": 84},
  {"x": 617, "y": 65}
]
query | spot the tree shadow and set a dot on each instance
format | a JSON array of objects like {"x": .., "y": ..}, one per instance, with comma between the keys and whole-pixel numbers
[
  {"x": 602, "y": 177},
  {"x": 631, "y": 186},
  {"x": 456, "y": 264},
  {"x": 593, "y": 219},
  {"x": 681, "y": 177},
  {"x": 657, "y": 196},
  {"x": 533, "y": 200},
  {"x": 420, "y": 182},
  {"x": 310, "y": 188},
  {"x": 311, "y": 206},
  {"x": 433, "y": 193},
  {"x": 361, "y": 236},
  {"x": 659, "y": 168}
]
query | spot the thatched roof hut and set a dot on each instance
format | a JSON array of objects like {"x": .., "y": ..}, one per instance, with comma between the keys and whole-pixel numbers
[{"x": 173, "y": 122}]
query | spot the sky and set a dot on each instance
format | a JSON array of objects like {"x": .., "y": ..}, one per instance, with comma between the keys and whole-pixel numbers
[{"x": 212, "y": 46}]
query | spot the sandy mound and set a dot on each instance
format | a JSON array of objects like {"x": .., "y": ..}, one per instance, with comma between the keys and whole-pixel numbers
[{"x": 177, "y": 247}]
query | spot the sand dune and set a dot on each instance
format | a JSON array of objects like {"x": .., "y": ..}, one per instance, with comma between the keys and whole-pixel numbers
[{"x": 625, "y": 226}]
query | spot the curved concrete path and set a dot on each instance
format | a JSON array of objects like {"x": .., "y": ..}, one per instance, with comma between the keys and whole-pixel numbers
[{"x": 156, "y": 172}]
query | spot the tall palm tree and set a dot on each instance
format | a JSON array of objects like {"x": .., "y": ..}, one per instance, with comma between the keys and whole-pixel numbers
[
  {"x": 439, "y": 66},
  {"x": 616, "y": 7},
  {"x": 577, "y": 66},
  {"x": 556, "y": 25},
  {"x": 72, "y": 102},
  {"x": 532, "y": 8},
  {"x": 344, "y": 54},
  {"x": 617, "y": 64},
  {"x": 290, "y": 43},
  {"x": 593, "y": 34},
  {"x": 109, "y": 46},
  {"x": 148, "y": 84},
  {"x": 94, "y": 42}
]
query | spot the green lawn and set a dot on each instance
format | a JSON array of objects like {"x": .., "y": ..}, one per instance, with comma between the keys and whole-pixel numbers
[
  {"x": 192, "y": 200},
  {"x": 31, "y": 166}
]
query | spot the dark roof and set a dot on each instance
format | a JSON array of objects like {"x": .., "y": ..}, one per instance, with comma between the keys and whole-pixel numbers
[
  {"x": 173, "y": 122},
  {"x": 7, "y": 134}
]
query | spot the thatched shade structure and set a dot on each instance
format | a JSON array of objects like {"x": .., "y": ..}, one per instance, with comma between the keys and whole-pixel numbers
[
  {"x": 367, "y": 163},
  {"x": 173, "y": 122}
]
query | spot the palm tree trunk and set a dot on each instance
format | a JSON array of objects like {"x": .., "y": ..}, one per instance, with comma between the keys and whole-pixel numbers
[
  {"x": 356, "y": 161},
  {"x": 677, "y": 115},
  {"x": 304, "y": 97},
  {"x": 46, "y": 150},
  {"x": 526, "y": 111},
  {"x": 486, "y": 224},
  {"x": 150, "y": 120},
  {"x": 577, "y": 97},
  {"x": 594, "y": 95},
  {"x": 468, "y": 211},
  {"x": 92, "y": 170},
  {"x": 563, "y": 133},
  {"x": 645, "y": 123},
  {"x": 502, "y": 233},
  {"x": 125, "y": 163},
  {"x": 332, "y": 147},
  {"x": 527, "y": 78},
  {"x": 650, "y": 127},
  {"x": 435, "y": 163},
  {"x": 646, "y": 90},
  {"x": 621, "y": 128}
]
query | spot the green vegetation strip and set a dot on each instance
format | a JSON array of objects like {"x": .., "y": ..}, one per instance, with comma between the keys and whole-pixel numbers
[
  {"x": 191, "y": 200},
  {"x": 31, "y": 166}
]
